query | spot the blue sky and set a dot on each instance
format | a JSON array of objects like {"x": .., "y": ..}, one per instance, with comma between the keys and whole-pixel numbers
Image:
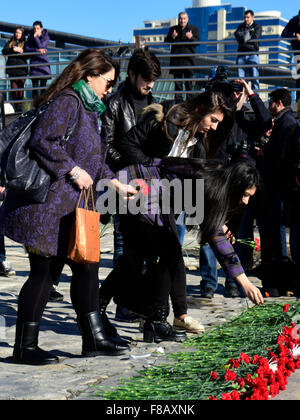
[{"x": 115, "y": 19}]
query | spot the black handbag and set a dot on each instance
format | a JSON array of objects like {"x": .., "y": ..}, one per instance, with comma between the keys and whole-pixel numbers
[{"x": 19, "y": 169}]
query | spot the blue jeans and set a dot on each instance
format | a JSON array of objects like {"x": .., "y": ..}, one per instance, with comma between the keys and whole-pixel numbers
[
  {"x": 181, "y": 232},
  {"x": 209, "y": 270},
  {"x": 249, "y": 71},
  {"x": 2, "y": 249}
]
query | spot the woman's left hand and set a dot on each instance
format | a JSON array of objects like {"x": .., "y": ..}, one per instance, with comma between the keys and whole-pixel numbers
[
  {"x": 251, "y": 291},
  {"x": 228, "y": 234}
]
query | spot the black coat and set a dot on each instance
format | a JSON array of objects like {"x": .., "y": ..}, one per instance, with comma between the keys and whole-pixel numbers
[
  {"x": 17, "y": 59},
  {"x": 277, "y": 152},
  {"x": 245, "y": 33},
  {"x": 147, "y": 140},
  {"x": 182, "y": 49},
  {"x": 118, "y": 119},
  {"x": 292, "y": 28}
]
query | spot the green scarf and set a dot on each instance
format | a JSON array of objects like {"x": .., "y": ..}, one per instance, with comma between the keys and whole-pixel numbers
[{"x": 90, "y": 99}]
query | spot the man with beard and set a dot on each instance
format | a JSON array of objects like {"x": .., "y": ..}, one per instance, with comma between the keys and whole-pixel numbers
[{"x": 183, "y": 32}]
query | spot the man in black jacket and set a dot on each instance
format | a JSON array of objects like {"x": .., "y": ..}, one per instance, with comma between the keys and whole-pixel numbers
[
  {"x": 124, "y": 108},
  {"x": 183, "y": 32},
  {"x": 276, "y": 176},
  {"x": 292, "y": 30},
  {"x": 245, "y": 33}
]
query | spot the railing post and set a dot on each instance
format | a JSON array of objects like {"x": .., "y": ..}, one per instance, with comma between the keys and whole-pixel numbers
[{"x": 2, "y": 115}]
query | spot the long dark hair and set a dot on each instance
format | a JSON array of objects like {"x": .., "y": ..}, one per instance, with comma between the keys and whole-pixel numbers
[
  {"x": 224, "y": 187},
  {"x": 90, "y": 62},
  {"x": 190, "y": 113},
  {"x": 21, "y": 41}
]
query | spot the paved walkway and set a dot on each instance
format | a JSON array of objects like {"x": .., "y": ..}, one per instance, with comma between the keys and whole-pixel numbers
[{"x": 73, "y": 378}]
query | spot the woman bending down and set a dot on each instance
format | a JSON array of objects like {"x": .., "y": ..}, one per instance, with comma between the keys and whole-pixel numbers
[{"x": 152, "y": 265}]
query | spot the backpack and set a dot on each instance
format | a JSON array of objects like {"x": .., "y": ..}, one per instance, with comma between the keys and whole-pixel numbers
[{"x": 19, "y": 170}]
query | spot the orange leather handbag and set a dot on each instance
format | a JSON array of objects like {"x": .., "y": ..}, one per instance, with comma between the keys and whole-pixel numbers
[{"x": 84, "y": 243}]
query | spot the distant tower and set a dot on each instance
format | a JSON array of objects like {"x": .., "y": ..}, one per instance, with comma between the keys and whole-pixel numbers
[{"x": 206, "y": 3}]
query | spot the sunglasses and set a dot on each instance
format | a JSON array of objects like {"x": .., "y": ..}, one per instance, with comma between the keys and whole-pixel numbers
[{"x": 109, "y": 82}]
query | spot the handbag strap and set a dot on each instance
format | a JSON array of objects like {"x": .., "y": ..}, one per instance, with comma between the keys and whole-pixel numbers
[{"x": 86, "y": 196}]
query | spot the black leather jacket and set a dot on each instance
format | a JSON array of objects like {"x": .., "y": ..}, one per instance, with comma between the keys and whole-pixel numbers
[
  {"x": 117, "y": 120},
  {"x": 244, "y": 34},
  {"x": 292, "y": 28}
]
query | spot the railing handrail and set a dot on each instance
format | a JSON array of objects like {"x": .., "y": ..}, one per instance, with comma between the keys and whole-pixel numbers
[{"x": 211, "y": 59}]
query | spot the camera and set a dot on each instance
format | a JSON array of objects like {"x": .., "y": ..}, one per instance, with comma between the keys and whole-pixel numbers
[
  {"x": 237, "y": 87},
  {"x": 220, "y": 82},
  {"x": 244, "y": 149}
]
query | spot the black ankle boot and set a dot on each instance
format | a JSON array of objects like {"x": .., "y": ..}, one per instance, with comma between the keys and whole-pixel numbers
[
  {"x": 94, "y": 340},
  {"x": 157, "y": 328},
  {"x": 110, "y": 331},
  {"x": 26, "y": 350}
]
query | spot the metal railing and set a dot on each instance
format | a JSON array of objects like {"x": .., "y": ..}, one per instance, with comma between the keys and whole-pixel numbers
[{"x": 271, "y": 75}]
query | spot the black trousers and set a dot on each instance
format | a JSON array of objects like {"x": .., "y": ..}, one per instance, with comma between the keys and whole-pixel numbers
[
  {"x": 35, "y": 293},
  {"x": 150, "y": 269}
]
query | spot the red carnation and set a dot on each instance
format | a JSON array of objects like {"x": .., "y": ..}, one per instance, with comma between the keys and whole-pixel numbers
[
  {"x": 230, "y": 376},
  {"x": 213, "y": 376},
  {"x": 286, "y": 307},
  {"x": 245, "y": 358},
  {"x": 143, "y": 186}
]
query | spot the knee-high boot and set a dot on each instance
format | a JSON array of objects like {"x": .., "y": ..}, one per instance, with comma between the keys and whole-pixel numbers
[
  {"x": 94, "y": 339},
  {"x": 110, "y": 331},
  {"x": 26, "y": 350}
]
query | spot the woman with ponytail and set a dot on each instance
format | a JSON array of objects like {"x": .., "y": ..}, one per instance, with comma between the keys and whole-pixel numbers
[{"x": 45, "y": 228}]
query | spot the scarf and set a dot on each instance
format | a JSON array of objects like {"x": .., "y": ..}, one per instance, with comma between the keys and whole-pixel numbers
[{"x": 90, "y": 99}]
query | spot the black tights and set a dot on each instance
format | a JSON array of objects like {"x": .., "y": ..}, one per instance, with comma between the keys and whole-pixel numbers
[{"x": 35, "y": 293}]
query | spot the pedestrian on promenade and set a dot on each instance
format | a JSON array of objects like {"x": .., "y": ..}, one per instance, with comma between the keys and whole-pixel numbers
[
  {"x": 245, "y": 33},
  {"x": 292, "y": 30},
  {"x": 124, "y": 108},
  {"x": 45, "y": 228},
  {"x": 185, "y": 33},
  {"x": 14, "y": 49},
  {"x": 152, "y": 236},
  {"x": 37, "y": 41}
]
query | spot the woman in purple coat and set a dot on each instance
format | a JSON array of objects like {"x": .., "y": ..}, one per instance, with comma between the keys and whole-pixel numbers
[
  {"x": 37, "y": 41},
  {"x": 45, "y": 228}
]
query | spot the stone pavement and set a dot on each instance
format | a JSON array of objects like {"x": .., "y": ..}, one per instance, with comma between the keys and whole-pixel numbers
[{"x": 73, "y": 378}]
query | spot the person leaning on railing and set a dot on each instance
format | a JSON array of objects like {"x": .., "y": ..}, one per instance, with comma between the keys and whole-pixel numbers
[
  {"x": 37, "y": 41},
  {"x": 14, "y": 49},
  {"x": 292, "y": 30}
]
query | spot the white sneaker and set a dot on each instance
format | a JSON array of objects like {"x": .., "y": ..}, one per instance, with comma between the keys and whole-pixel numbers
[{"x": 190, "y": 324}]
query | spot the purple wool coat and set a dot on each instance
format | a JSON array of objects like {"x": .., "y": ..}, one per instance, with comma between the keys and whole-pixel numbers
[
  {"x": 47, "y": 226},
  {"x": 32, "y": 45}
]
